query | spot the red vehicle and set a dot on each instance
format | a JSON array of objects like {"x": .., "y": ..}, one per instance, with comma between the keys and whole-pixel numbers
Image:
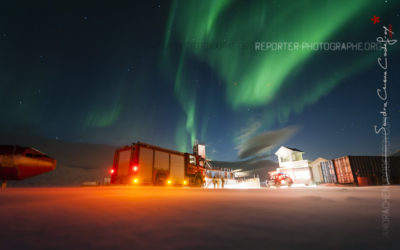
[
  {"x": 279, "y": 179},
  {"x": 17, "y": 163},
  {"x": 142, "y": 163}
]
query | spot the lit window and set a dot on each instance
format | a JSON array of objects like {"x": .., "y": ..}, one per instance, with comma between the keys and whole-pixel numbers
[{"x": 192, "y": 160}]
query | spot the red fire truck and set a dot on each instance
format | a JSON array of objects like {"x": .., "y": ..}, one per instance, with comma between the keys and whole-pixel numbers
[{"x": 142, "y": 163}]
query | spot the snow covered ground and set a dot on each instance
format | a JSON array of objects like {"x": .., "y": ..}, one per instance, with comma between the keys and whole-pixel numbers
[{"x": 193, "y": 218}]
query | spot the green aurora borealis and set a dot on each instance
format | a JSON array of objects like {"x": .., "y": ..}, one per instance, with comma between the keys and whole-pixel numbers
[
  {"x": 176, "y": 71},
  {"x": 255, "y": 78}
]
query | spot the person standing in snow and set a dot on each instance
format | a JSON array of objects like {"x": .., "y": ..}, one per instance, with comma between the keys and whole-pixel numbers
[{"x": 214, "y": 181}]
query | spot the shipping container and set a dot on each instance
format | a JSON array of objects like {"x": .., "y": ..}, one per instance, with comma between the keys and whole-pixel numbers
[
  {"x": 343, "y": 169},
  {"x": 366, "y": 170},
  {"x": 394, "y": 165},
  {"x": 364, "y": 181},
  {"x": 328, "y": 171},
  {"x": 374, "y": 168}
]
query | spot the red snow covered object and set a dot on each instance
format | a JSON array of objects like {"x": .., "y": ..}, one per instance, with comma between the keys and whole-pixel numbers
[
  {"x": 279, "y": 179},
  {"x": 17, "y": 163}
]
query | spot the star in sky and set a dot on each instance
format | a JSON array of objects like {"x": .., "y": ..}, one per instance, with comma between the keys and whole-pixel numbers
[
  {"x": 200, "y": 96},
  {"x": 375, "y": 19}
]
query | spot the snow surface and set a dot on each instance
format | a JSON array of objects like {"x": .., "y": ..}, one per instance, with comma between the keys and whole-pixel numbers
[{"x": 194, "y": 218}]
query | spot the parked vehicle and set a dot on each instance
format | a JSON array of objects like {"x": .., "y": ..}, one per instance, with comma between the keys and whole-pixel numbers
[{"x": 279, "y": 179}]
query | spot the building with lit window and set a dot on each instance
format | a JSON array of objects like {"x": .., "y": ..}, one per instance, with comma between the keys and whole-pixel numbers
[{"x": 292, "y": 163}]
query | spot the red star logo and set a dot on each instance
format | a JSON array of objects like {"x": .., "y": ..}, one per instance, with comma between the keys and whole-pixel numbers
[{"x": 375, "y": 19}]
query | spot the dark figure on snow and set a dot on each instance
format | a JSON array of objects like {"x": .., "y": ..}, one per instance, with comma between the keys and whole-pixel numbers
[{"x": 214, "y": 181}]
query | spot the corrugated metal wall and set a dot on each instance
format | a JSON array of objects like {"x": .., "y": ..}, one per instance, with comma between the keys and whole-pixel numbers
[
  {"x": 347, "y": 169},
  {"x": 394, "y": 164},
  {"x": 373, "y": 167},
  {"x": 328, "y": 171},
  {"x": 367, "y": 166},
  {"x": 343, "y": 169}
]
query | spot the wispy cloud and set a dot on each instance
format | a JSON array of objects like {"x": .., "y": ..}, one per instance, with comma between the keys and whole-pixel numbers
[
  {"x": 265, "y": 141},
  {"x": 247, "y": 132}
]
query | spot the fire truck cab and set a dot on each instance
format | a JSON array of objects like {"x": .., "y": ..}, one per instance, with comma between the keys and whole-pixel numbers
[{"x": 279, "y": 179}]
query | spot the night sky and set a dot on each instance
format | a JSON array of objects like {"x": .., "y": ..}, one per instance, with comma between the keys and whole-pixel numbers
[{"x": 172, "y": 72}]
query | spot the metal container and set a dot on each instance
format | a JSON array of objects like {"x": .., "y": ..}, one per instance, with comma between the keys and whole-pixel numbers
[
  {"x": 343, "y": 169},
  {"x": 364, "y": 181},
  {"x": 367, "y": 170},
  {"x": 374, "y": 168},
  {"x": 394, "y": 165},
  {"x": 328, "y": 172},
  {"x": 366, "y": 166}
]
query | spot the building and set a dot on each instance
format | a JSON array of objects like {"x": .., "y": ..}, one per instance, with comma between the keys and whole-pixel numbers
[
  {"x": 292, "y": 163},
  {"x": 249, "y": 168}
]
